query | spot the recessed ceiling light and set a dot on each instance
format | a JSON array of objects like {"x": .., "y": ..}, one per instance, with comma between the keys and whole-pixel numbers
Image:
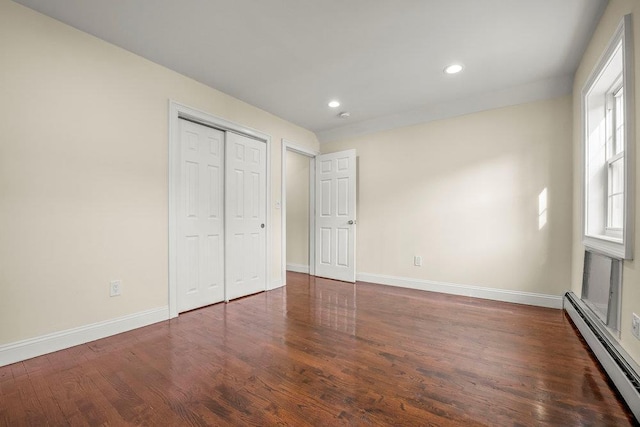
[
  {"x": 334, "y": 104},
  {"x": 453, "y": 69}
]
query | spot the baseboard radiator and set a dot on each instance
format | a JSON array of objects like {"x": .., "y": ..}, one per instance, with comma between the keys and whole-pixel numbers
[{"x": 622, "y": 370}]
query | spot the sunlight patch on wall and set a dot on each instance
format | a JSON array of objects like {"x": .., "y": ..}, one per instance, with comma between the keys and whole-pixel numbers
[{"x": 542, "y": 209}]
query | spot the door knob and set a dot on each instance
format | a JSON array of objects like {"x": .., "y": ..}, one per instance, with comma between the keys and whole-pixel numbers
[
  {"x": 351, "y": 222},
  {"x": 261, "y": 225}
]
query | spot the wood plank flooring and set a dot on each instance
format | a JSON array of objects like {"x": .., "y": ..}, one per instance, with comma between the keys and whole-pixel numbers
[{"x": 320, "y": 352}]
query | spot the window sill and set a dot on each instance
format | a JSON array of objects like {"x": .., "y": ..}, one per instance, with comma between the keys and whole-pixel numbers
[
  {"x": 607, "y": 245},
  {"x": 608, "y": 238}
]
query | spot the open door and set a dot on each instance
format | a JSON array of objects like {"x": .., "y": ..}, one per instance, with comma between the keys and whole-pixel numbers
[{"x": 335, "y": 224}]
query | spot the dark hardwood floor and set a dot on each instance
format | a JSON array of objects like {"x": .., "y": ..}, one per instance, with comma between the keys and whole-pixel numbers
[{"x": 320, "y": 352}]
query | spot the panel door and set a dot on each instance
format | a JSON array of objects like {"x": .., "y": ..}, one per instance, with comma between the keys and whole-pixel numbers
[
  {"x": 200, "y": 252},
  {"x": 335, "y": 228},
  {"x": 246, "y": 210}
]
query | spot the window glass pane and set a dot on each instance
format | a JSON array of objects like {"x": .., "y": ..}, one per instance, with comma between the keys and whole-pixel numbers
[
  {"x": 610, "y": 132},
  {"x": 617, "y": 210},
  {"x": 619, "y": 145},
  {"x": 616, "y": 176}
]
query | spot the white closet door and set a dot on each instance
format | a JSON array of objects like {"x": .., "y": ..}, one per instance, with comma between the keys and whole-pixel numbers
[
  {"x": 200, "y": 251},
  {"x": 245, "y": 210},
  {"x": 335, "y": 225}
]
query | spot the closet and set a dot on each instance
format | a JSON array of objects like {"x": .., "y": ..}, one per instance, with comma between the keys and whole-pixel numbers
[{"x": 220, "y": 197}]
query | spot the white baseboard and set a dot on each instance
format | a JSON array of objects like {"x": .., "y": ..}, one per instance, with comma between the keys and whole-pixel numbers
[
  {"x": 298, "y": 268},
  {"x": 33, "y": 347},
  {"x": 519, "y": 297}
]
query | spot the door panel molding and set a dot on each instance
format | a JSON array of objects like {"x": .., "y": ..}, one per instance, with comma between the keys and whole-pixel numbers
[{"x": 176, "y": 112}]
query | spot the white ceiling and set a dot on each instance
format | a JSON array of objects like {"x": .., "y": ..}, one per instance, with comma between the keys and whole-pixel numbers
[{"x": 383, "y": 59}]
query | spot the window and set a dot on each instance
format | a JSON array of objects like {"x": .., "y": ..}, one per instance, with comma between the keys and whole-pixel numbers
[{"x": 608, "y": 141}]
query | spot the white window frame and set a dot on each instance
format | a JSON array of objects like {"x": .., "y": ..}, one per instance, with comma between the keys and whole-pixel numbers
[{"x": 617, "y": 243}]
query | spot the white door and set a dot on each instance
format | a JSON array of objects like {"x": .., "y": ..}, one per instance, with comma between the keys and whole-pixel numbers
[
  {"x": 200, "y": 251},
  {"x": 336, "y": 215},
  {"x": 246, "y": 210}
]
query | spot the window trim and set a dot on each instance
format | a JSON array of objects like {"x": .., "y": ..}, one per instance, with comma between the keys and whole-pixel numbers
[{"x": 621, "y": 247}]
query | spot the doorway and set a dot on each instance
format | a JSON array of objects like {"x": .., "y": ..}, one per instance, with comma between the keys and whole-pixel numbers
[
  {"x": 298, "y": 202},
  {"x": 332, "y": 197},
  {"x": 298, "y": 212}
]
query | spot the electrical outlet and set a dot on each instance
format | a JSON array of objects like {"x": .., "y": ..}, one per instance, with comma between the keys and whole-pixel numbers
[
  {"x": 417, "y": 261},
  {"x": 115, "y": 288},
  {"x": 635, "y": 326}
]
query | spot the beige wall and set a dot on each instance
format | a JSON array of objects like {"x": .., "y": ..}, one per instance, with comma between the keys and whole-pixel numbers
[
  {"x": 297, "y": 209},
  {"x": 463, "y": 193},
  {"x": 631, "y": 273},
  {"x": 83, "y": 174}
]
